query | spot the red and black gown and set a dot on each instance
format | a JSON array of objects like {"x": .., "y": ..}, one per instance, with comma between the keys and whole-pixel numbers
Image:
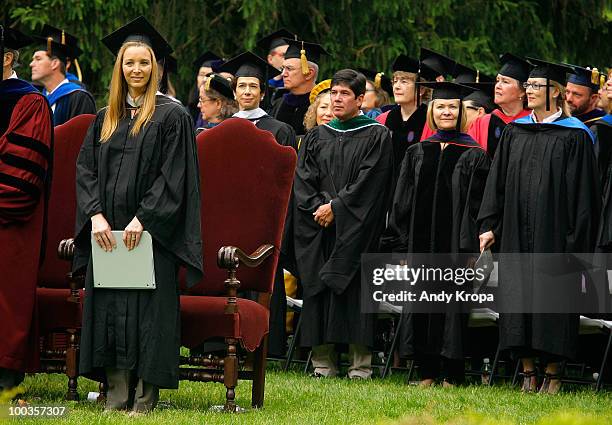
[{"x": 26, "y": 146}]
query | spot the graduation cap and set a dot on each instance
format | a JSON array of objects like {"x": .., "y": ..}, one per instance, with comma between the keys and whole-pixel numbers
[
  {"x": 551, "y": 71},
  {"x": 586, "y": 77},
  {"x": 448, "y": 90},
  {"x": 304, "y": 52},
  {"x": 219, "y": 84},
  {"x": 514, "y": 67},
  {"x": 483, "y": 95},
  {"x": 208, "y": 60},
  {"x": 275, "y": 39},
  {"x": 248, "y": 64},
  {"x": 463, "y": 74},
  {"x": 437, "y": 62},
  {"x": 57, "y": 42},
  {"x": 405, "y": 63},
  {"x": 380, "y": 80},
  {"x": 62, "y": 37},
  {"x": 139, "y": 30},
  {"x": 12, "y": 39},
  {"x": 323, "y": 86}
]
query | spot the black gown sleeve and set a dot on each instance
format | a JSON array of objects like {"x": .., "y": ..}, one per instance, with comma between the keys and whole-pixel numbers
[
  {"x": 490, "y": 215},
  {"x": 396, "y": 236},
  {"x": 81, "y": 102},
  {"x": 584, "y": 195}
]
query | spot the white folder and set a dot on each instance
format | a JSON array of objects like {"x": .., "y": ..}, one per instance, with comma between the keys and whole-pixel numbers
[{"x": 123, "y": 269}]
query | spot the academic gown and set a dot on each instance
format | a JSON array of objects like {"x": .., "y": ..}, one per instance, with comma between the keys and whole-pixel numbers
[
  {"x": 351, "y": 166},
  {"x": 26, "y": 148},
  {"x": 153, "y": 176},
  {"x": 487, "y": 130},
  {"x": 26, "y": 157},
  {"x": 290, "y": 109},
  {"x": 602, "y": 130},
  {"x": 542, "y": 196},
  {"x": 403, "y": 133},
  {"x": 70, "y": 100},
  {"x": 434, "y": 210}
]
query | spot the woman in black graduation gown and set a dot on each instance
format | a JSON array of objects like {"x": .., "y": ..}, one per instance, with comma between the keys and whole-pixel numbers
[
  {"x": 434, "y": 210},
  {"x": 137, "y": 170},
  {"x": 542, "y": 196}
]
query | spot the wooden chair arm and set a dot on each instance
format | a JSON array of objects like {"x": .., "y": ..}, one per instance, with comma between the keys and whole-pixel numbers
[
  {"x": 229, "y": 258},
  {"x": 65, "y": 249}
]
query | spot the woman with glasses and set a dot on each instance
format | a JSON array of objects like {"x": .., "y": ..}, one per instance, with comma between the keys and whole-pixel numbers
[
  {"x": 510, "y": 99},
  {"x": 542, "y": 199},
  {"x": 216, "y": 101}
]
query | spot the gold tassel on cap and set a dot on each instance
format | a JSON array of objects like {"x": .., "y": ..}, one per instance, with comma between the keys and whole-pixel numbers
[
  {"x": 207, "y": 83},
  {"x": 78, "y": 69},
  {"x": 63, "y": 37},
  {"x": 602, "y": 81},
  {"x": 49, "y": 41},
  {"x": 377, "y": 79},
  {"x": 594, "y": 76},
  {"x": 303, "y": 60}
]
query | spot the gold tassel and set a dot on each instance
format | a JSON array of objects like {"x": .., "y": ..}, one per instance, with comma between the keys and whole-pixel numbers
[
  {"x": 63, "y": 37},
  {"x": 207, "y": 83},
  {"x": 602, "y": 81},
  {"x": 594, "y": 76},
  {"x": 78, "y": 69},
  {"x": 378, "y": 79},
  {"x": 477, "y": 76},
  {"x": 49, "y": 40},
  {"x": 303, "y": 60}
]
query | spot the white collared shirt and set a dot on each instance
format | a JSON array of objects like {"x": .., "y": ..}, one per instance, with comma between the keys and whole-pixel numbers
[
  {"x": 13, "y": 75},
  {"x": 547, "y": 119}
]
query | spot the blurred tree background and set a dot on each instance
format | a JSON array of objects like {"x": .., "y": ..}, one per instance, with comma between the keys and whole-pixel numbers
[{"x": 367, "y": 33}]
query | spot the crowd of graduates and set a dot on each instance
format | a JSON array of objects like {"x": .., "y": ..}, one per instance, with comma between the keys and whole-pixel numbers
[{"x": 434, "y": 157}]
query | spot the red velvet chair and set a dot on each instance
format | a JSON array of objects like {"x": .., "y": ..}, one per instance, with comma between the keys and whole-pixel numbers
[
  {"x": 245, "y": 178},
  {"x": 58, "y": 297}
]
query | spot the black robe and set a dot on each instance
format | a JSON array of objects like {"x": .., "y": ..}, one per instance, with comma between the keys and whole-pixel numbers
[
  {"x": 602, "y": 129},
  {"x": 542, "y": 196},
  {"x": 76, "y": 103},
  {"x": 404, "y": 133},
  {"x": 434, "y": 210},
  {"x": 291, "y": 109},
  {"x": 153, "y": 176},
  {"x": 354, "y": 170}
]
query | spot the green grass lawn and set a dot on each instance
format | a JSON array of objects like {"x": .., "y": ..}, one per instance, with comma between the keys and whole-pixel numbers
[{"x": 294, "y": 398}]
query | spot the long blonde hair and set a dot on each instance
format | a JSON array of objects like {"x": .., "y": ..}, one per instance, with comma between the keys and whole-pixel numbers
[{"x": 118, "y": 91}]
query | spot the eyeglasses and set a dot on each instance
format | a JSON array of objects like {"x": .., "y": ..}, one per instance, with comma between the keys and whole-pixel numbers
[
  {"x": 535, "y": 86},
  {"x": 403, "y": 81},
  {"x": 205, "y": 100}
]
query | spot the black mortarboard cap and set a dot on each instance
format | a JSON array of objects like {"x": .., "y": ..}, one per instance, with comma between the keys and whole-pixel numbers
[
  {"x": 427, "y": 73},
  {"x": 248, "y": 64},
  {"x": 138, "y": 30},
  {"x": 406, "y": 64},
  {"x": 312, "y": 51},
  {"x": 551, "y": 71},
  {"x": 207, "y": 60},
  {"x": 219, "y": 84},
  {"x": 586, "y": 77},
  {"x": 275, "y": 39},
  {"x": 15, "y": 39},
  {"x": 463, "y": 74},
  {"x": 380, "y": 80},
  {"x": 62, "y": 37},
  {"x": 514, "y": 67},
  {"x": 441, "y": 64},
  {"x": 483, "y": 95},
  {"x": 447, "y": 89}
]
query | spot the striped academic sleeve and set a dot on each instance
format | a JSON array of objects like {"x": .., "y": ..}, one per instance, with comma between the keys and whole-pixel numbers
[{"x": 25, "y": 154}]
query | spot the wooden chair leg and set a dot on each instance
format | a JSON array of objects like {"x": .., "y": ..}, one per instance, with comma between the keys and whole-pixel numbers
[
  {"x": 72, "y": 366},
  {"x": 230, "y": 372},
  {"x": 259, "y": 374}
]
